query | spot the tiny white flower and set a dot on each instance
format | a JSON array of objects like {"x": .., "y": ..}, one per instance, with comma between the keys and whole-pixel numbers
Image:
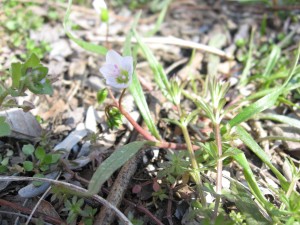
[
  {"x": 117, "y": 70},
  {"x": 99, "y": 5}
]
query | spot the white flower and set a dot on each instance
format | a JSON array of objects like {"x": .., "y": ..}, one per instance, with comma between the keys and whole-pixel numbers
[
  {"x": 117, "y": 70},
  {"x": 99, "y": 5}
]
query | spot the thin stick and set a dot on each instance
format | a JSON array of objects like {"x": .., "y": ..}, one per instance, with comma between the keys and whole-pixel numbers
[
  {"x": 37, "y": 205},
  {"x": 22, "y": 209},
  {"x": 73, "y": 187},
  {"x": 171, "y": 41}
]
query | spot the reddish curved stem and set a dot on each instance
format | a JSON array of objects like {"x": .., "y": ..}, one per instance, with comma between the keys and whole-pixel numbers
[{"x": 142, "y": 131}]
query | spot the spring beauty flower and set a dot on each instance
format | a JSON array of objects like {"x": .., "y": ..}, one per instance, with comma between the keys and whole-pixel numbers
[
  {"x": 101, "y": 8},
  {"x": 117, "y": 70}
]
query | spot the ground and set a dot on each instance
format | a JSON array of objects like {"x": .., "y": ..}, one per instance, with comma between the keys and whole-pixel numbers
[{"x": 66, "y": 135}]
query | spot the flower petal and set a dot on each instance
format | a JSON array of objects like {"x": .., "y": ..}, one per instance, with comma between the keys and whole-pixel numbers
[
  {"x": 99, "y": 5},
  {"x": 112, "y": 57},
  {"x": 127, "y": 64},
  {"x": 109, "y": 70}
]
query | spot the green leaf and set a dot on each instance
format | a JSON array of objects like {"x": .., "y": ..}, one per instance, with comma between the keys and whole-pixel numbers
[
  {"x": 55, "y": 158},
  {"x": 101, "y": 95},
  {"x": 40, "y": 153},
  {"x": 3, "y": 169},
  {"x": 137, "y": 91},
  {"x": 112, "y": 163},
  {"x": 38, "y": 183},
  {"x": 280, "y": 118},
  {"x": 256, "y": 107},
  {"x": 32, "y": 62},
  {"x": 5, "y": 161},
  {"x": 44, "y": 167},
  {"x": 4, "y": 127},
  {"x": 273, "y": 58},
  {"x": 99, "y": 49},
  {"x": 47, "y": 159},
  {"x": 160, "y": 76},
  {"x": 242, "y": 161},
  {"x": 246, "y": 71},
  {"x": 257, "y": 150},
  {"x": 244, "y": 202},
  {"x": 16, "y": 74},
  {"x": 268, "y": 100},
  {"x": 47, "y": 88},
  {"x": 28, "y": 149},
  {"x": 160, "y": 18},
  {"x": 28, "y": 166}
]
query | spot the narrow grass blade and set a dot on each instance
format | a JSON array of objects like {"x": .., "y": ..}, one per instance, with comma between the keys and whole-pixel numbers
[
  {"x": 279, "y": 118},
  {"x": 242, "y": 161},
  {"x": 244, "y": 200},
  {"x": 256, "y": 107},
  {"x": 257, "y": 150},
  {"x": 159, "y": 74},
  {"x": 139, "y": 97},
  {"x": 246, "y": 71},
  {"x": 99, "y": 49},
  {"x": 118, "y": 158},
  {"x": 160, "y": 18},
  {"x": 137, "y": 91},
  {"x": 266, "y": 101},
  {"x": 272, "y": 60}
]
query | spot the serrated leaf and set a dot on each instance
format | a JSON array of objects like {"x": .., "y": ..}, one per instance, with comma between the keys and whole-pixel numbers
[
  {"x": 28, "y": 149},
  {"x": 118, "y": 158}
]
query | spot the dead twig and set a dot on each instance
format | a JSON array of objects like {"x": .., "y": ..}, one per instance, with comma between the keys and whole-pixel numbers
[
  {"x": 73, "y": 187},
  {"x": 140, "y": 208},
  {"x": 170, "y": 41},
  {"x": 25, "y": 210}
]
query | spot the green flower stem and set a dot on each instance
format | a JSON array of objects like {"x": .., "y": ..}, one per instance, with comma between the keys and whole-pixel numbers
[
  {"x": 219, "y": 169},
  {"x": 196, "y": 173}
]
